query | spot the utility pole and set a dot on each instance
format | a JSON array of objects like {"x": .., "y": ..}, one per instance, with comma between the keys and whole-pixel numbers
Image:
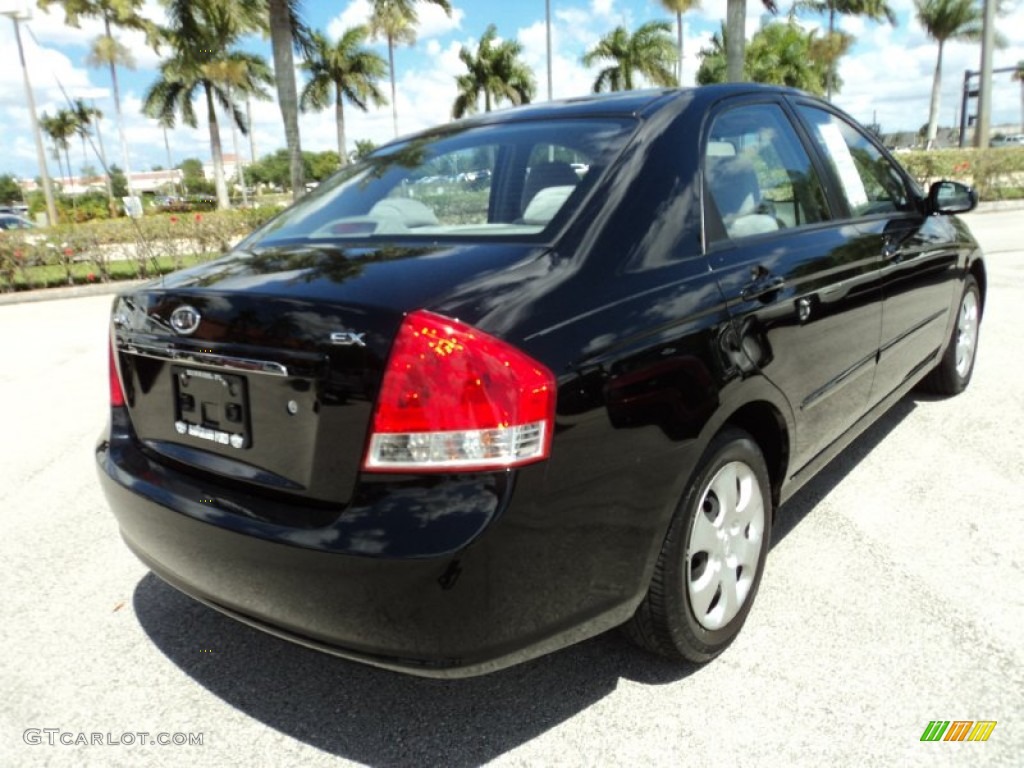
[
  {"x": 18, "y": 15},
  {"x": 547, "y": 10},
  {"x": 988, "y": 35},
  {"x": 238, "y": 157}
]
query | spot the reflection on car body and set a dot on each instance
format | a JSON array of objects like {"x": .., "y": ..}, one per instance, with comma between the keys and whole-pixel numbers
[{"x": 526, "y": 377}]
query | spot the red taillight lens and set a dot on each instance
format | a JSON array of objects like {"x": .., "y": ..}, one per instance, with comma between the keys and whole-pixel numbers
[
  {"x": 116, "y": 393},
  {"x": 454, "y": 398}
]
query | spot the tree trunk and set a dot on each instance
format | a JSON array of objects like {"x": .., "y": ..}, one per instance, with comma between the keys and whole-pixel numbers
[
  {"x": 287, "y": 97},
  {"x": 71, "y": 179},
  {"x": 735, "y": 39},
  {"x": 830, "y": 74},
  {"x": 223, "y": 202},
  {"x": 117, "y": 113},
  {"x": 679, "y": 40},
  {"x": 106, "y": 170},
  {"x": 339, "y": 118},
  {"x": 933, "y": 107},
  {"x": 391, "y": 69},
  {"x": 487, "y": 100},
  {"x": 60, "y": 167},
  {"x": 248, "y": 117}
]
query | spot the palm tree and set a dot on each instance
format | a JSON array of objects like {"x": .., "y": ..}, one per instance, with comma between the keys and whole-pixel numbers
[
  {"x": 200, "y": 35},
  {"x": 395, "y": 21},
  {"x": 649, "y": 52},
  {"x": 828, "y": 50},
  {"x": 679, "y": 7},
  {"x": 341, "y": 70},
  {"x": 875, "y": 10},
  {"x": 946, "y": 20},
  {"x": 779, "y": 53},
  {"x": 88, "y": 116},
  {"x": 496, "y": 71},
  {"x": 106, "y": 50},
  {"x": 61, "y": 128}
]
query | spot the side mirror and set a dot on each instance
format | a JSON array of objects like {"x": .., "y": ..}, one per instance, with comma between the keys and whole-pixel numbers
[{"x": 948, "y": 197}]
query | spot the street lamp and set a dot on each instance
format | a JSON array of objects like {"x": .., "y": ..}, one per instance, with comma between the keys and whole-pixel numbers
[{"x": 19, "y": 11}]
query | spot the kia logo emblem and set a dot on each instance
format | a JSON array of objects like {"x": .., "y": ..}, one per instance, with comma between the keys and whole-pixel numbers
[{"x": 185, "y": 319}]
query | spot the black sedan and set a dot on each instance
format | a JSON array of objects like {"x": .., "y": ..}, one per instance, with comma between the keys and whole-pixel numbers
[{"x": 444, "y": 425}]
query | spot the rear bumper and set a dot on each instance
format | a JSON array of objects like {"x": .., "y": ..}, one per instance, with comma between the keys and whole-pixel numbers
[{"x": 478, "y": 596}]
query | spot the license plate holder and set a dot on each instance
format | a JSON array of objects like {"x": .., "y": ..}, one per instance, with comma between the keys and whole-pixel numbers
[{"x": 211, "y": 406}]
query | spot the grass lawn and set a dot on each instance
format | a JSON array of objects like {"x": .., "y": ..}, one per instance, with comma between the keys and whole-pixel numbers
[{"x": 55, "y": 275}]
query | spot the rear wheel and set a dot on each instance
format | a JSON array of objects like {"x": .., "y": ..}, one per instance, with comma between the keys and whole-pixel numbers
[
  {"x": 712, "y": 559},
  {"x": 953, "y": 373}
]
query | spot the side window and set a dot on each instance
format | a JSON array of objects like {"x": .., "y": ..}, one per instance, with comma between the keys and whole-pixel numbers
[
  {"x": 870, "y": 182},
  {"x": 758, "y": 174}
]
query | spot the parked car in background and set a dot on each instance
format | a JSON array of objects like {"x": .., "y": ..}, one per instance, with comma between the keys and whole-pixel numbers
[
  {"x": 189, "y": 203},
  {"x": 9, "y": 221},
  {"x": 1016, "y": 140},
  {"x": 445, "y": 428}
]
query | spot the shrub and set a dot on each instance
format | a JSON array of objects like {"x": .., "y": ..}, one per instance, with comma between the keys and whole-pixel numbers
[{"x": 996, "y": 173}]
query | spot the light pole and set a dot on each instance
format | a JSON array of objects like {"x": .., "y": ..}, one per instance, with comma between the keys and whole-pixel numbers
[
  {"x": 988, "y": 35},
  {"x": 547, "y": 11},
  {"x": 18, "y": 14}
]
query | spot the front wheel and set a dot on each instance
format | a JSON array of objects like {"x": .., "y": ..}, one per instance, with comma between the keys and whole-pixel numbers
[
  {"x": 953, "y": 373},
  {"x": 712, "y": 559}
]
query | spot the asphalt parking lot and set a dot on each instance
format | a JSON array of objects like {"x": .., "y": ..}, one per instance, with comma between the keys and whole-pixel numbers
[{"x": 893, "y": 596}]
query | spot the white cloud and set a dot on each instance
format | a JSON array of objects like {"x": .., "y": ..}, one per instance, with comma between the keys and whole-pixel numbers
[
  {"x": 890, "y": 71},
  {"x": 433, "y": 22},
  {"x": 356, "y": 13}
]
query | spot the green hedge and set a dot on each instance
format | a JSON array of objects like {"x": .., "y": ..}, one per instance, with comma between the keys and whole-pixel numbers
[
  {"x": 998, "y": 174},
  {"x": 100, "y": 251}
]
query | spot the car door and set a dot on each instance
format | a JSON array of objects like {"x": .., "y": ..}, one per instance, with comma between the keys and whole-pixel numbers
[
  {"x": 801, "y": 287},
  {"x": 918, "y": 252}
]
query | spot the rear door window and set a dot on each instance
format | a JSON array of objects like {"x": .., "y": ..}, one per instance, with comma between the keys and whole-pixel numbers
[{"x": 758, "y": 175}]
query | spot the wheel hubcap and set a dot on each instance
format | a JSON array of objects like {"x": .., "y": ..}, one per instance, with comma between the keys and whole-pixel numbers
[
  {"x": 966, "y": 333},
  {"x": 725, "y": 545}
]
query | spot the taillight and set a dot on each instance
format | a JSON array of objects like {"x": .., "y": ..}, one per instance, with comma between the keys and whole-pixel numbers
[
  {"x": 116, "y": 393},
  {"x": 454, "y": 398}
]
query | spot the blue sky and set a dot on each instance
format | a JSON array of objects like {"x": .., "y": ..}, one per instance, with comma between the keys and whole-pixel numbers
[{"x": 887, "y": 76}]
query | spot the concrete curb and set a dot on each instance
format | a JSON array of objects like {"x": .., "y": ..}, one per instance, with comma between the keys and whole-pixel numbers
[
  {"x": 68, "y": 292},
  {"x": 1000, "y": 205}
]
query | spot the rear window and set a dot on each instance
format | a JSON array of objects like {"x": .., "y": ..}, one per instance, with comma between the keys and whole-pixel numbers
[{"x": 484, "y": 181}]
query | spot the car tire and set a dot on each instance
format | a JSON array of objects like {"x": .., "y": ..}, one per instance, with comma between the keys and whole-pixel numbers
[
  {"x": 953, "y": 373},
  {"x": 711, "y": 561}
]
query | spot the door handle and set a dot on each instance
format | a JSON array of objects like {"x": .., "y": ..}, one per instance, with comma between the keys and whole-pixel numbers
[{"x": 762, "y": 287}]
